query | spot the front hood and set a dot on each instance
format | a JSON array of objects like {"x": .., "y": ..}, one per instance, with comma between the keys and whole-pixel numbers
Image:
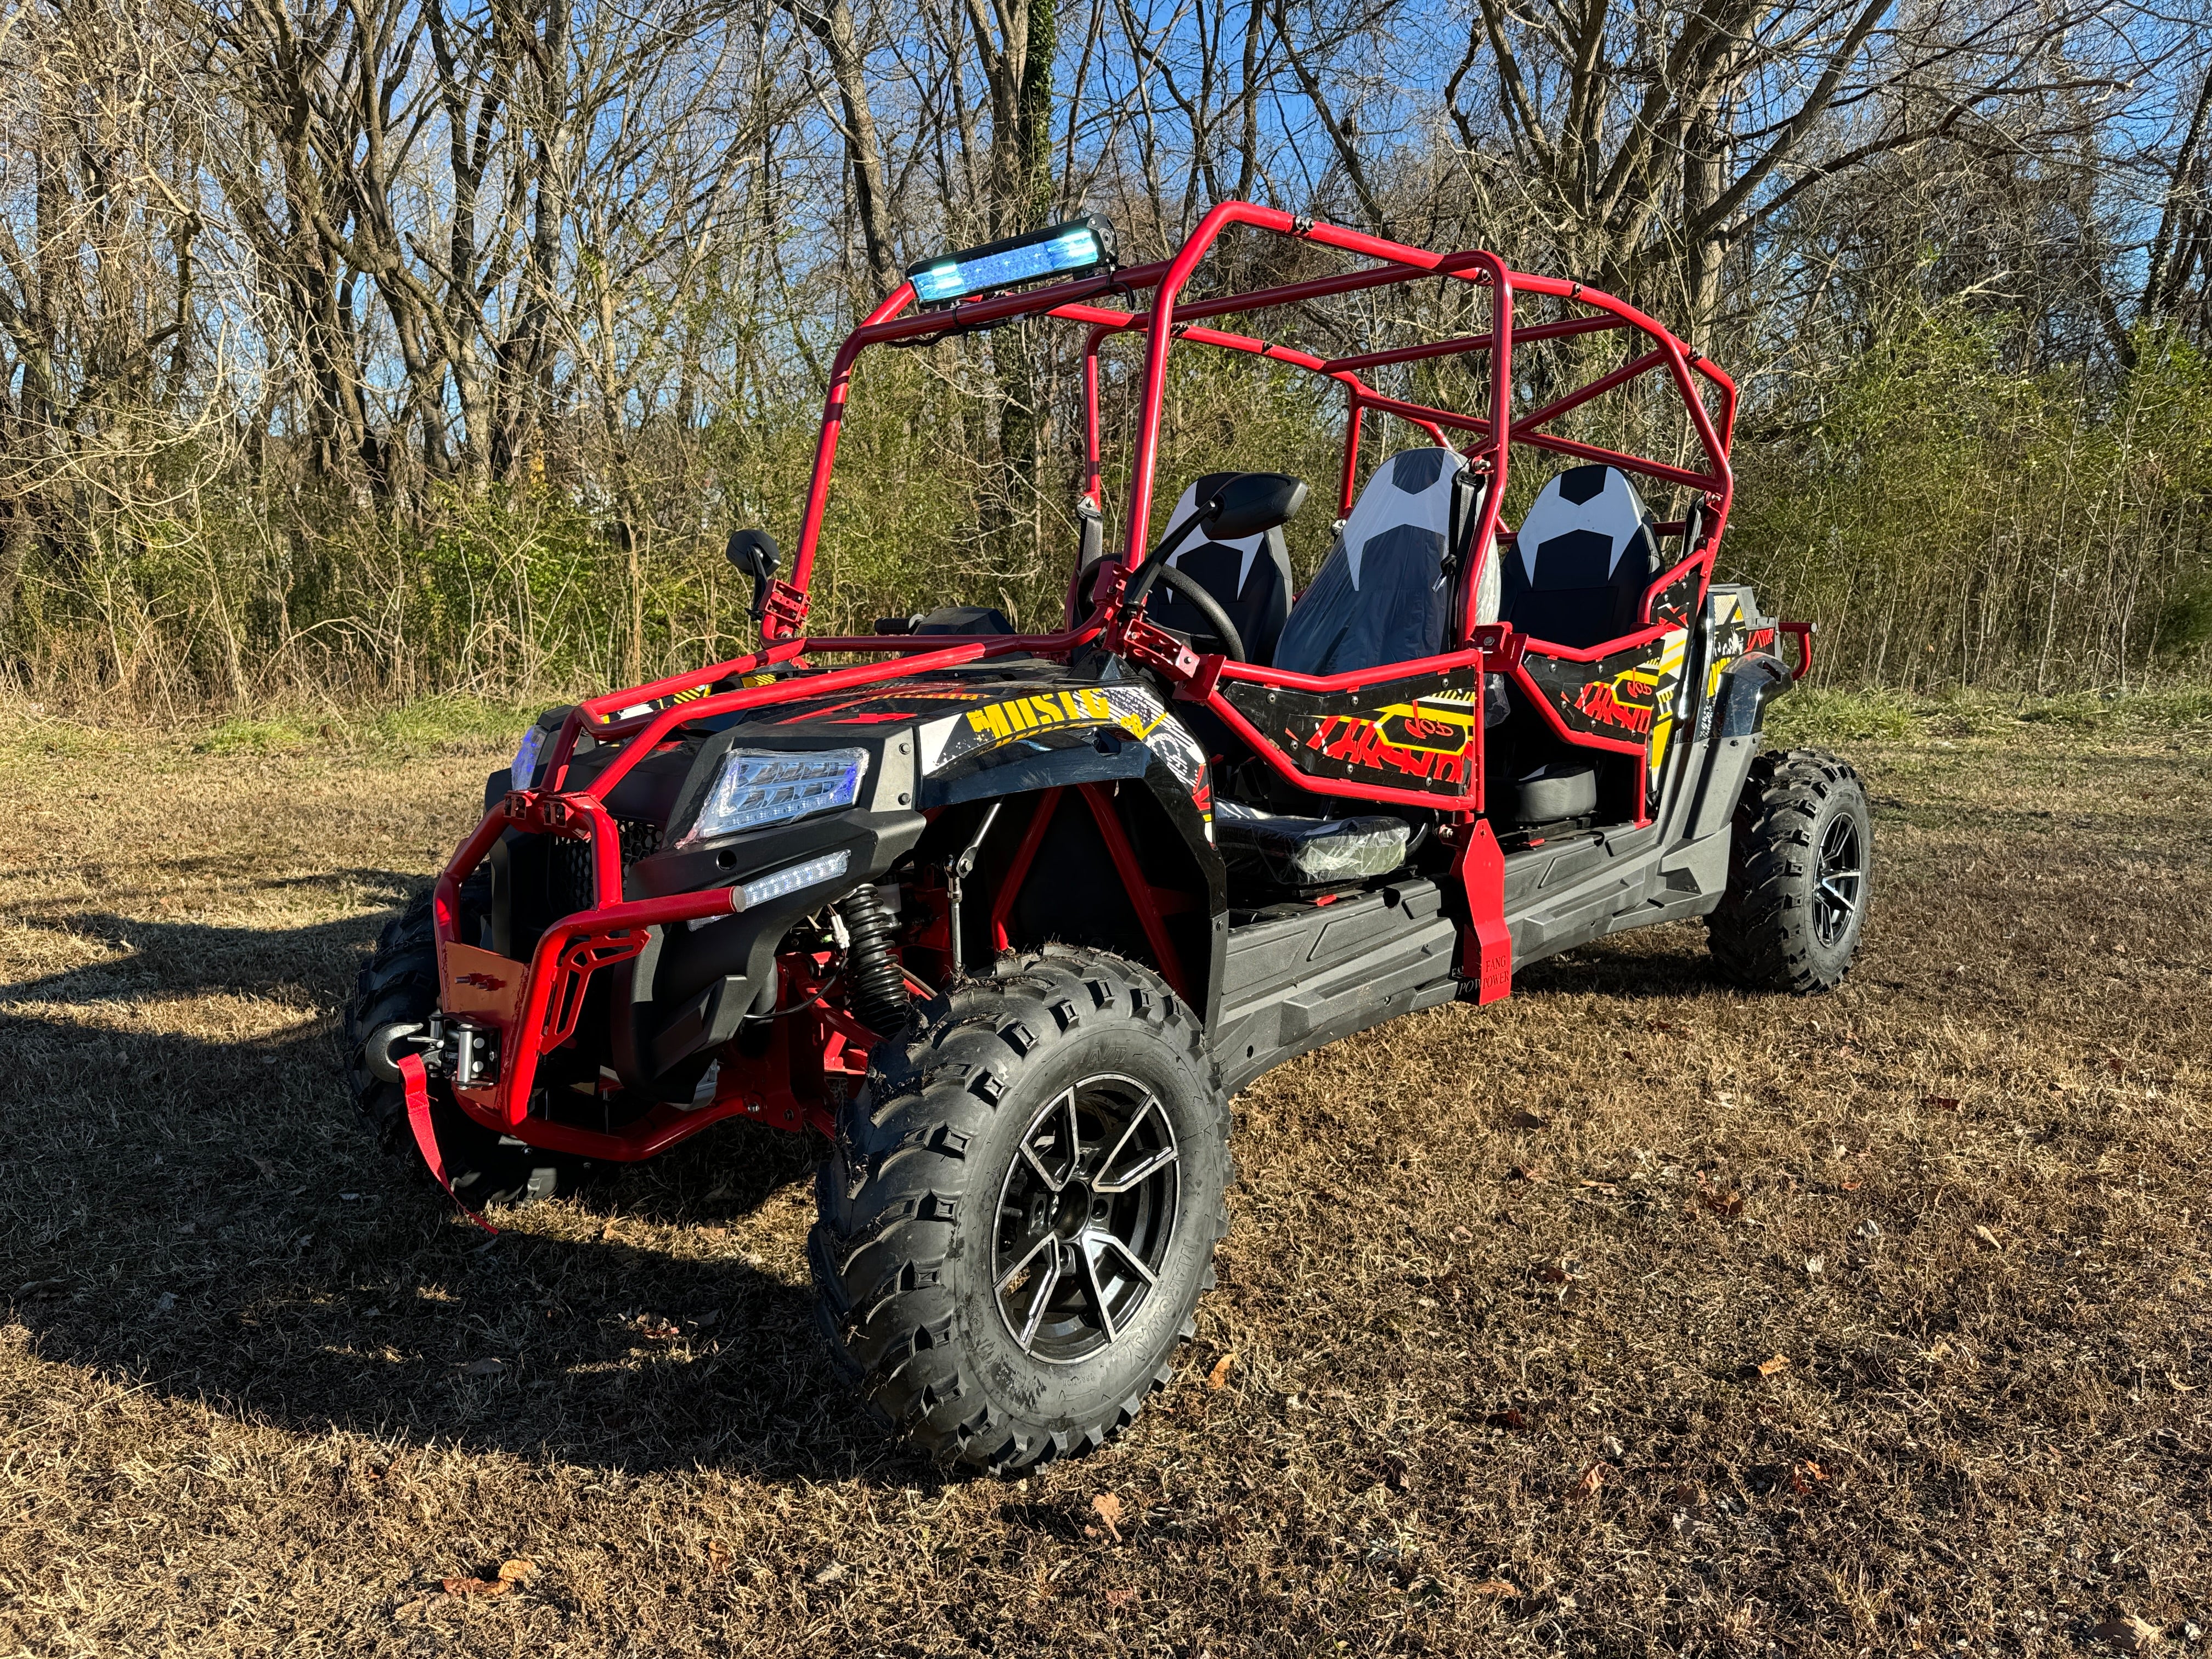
[{"x": 961, "y": 722}]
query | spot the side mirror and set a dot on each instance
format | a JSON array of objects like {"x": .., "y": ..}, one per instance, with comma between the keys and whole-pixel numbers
[
  {"x": 1251, "y": 502},
  {"x": 754, "y": 553}
]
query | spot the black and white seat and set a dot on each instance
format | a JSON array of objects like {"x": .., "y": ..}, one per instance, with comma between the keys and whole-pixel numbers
[
  {"x": 1249, "y": 579},
  {"x": 1586, "y": 554},
  {"x": 1384, "y": 594}
]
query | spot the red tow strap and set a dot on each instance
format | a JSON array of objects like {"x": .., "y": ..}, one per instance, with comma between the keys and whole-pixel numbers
[{"x": 417, "y": 1082}]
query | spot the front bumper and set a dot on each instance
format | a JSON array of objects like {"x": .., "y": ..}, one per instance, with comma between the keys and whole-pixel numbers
[{"x": 636, "y": 930}]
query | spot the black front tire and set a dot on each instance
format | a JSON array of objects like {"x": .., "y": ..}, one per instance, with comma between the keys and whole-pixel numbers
[
  {"x": 942, "y": 1177},
  {"x": 399, "y": 986},
  {"x": 1799, "y": 864}
]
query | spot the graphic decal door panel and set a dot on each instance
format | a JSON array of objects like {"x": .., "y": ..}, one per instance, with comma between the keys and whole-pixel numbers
[
  {"x": 1630, "y": 697},
  {"x": 1418, "y": 733}
]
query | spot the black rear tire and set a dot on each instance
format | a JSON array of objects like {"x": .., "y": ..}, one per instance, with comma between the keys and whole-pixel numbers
[
  {"x": 996, "y": 1319},
  {"x": 399, "y": 986},
  {"x": 1798, "y": 869}
]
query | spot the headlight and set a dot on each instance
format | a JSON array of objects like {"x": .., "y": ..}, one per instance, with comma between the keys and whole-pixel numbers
[
  {"x": 526, "y": 758},
  {"x": 757, "y": 788}
]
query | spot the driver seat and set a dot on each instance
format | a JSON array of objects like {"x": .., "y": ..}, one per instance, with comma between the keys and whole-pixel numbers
[{"x": 1249, "y": 578}]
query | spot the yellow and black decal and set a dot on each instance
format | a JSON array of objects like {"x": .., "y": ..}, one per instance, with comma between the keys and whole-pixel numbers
[
  {"x": 1065, "y": 712},
  {"x": 1417, "y": 733},
  {"x": 1629, "y": 697}
]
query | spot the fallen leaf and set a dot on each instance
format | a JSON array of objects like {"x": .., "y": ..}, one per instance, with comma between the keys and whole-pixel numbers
[
  {"x": 1686, "y": 1492},
  {"x": 1527, "y": 1119},
  {"x": 1771, "y": 1367},
  {"x": 1120, "y": 1598},
  {"x": 1942, "y": 1102},
  {"x": 1804, "y": 1476},
  {"x": 2128, "y": 1633},
  {"x": 1526, "y": 1172},
  {"x": 1218, "y": 1378},
  {"x": 654, "y": 1328},
  {"x": 1511, "y": 1417},
  {"x": 1498, "y": 1587},
  {"x": 1727, "y": 1205},
  {"x": 1562, "y": 1272},
  {"x": 1851, "y": 1186},
  {"x": 1108, "y": 1509},
  {"x": 514, "y": 1571},
  {"x": 475, "y": 1586},
  {"x": 1593, "y": 1478},
  {"x": 717, "y": 1558}
]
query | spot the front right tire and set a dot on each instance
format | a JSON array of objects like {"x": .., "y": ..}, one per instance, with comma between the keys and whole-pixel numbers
[{"x": 1021, "y": 1209}]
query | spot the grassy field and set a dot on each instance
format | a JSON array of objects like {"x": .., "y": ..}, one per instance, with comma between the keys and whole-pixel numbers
[{"x": 1630, "y": 1315}]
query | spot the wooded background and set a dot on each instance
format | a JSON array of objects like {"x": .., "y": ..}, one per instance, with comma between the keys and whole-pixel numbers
[{"x": 367, "y": 347}]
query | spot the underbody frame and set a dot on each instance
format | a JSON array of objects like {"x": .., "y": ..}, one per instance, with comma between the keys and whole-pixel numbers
[{"x": 1403, "y": 735}]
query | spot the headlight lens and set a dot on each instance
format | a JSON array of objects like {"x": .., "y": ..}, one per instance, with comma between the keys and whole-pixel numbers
[
  {"x": 759, "y": 787},
  {"x": 526, "y": 758}
]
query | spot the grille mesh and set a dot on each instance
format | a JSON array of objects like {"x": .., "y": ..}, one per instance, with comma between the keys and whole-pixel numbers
[{"x": 568, "y": 866}]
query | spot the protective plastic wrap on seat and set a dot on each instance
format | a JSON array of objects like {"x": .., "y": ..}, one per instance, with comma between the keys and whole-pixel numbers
[{"x": 1301, "y": 854}]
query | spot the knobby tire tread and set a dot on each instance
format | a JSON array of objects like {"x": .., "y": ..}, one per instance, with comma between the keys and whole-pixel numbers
[
  {"x": 1761, "y": 933},
  {"x": 893, "y": 1192}
]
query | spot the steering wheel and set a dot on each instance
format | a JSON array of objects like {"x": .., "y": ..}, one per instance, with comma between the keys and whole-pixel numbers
[{"x": 1232, "y": 642}]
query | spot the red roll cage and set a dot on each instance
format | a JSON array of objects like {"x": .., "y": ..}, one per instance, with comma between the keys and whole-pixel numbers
[{"x": 541, "y": 1012}]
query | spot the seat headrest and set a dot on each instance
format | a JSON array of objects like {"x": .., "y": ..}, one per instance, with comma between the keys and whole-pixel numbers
[
  {"x": 1186, "y": 503},
  {"x": 1412, "y": 490},
  {"x": 1581, "y": 502}
]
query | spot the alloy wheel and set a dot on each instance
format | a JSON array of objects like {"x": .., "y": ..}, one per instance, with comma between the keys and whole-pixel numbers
[{"x": 1085, "y": 1217}]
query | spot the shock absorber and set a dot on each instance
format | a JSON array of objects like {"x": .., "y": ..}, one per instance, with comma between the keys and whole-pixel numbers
[{"x": 876, "y": 989}]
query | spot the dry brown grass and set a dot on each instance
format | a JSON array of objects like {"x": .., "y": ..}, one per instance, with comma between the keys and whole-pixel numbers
[{"x": 1498, "y": 1287}]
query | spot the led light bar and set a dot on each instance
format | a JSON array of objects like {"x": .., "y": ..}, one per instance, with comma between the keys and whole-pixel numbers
[
  {"x": 792, "y": 877},
  {"x": 1061, "y": 250}
]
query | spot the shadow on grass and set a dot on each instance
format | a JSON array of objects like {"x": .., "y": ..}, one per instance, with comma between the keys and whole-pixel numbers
[
  {"x": 201, "y": 1213},
  {"x": 1669, "y": 962}
]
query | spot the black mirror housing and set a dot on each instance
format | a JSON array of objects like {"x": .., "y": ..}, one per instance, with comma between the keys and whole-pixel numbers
[
  {"x": 1252, "y": 502},
  {"x": 753, "y": 552}
]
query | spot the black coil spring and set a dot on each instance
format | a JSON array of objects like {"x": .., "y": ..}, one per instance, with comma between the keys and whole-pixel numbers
[{"x": 875, "y": 988}]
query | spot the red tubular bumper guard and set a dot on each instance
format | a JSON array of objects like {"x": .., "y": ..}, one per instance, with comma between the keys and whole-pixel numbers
[{"x": 546, "y": 1005}]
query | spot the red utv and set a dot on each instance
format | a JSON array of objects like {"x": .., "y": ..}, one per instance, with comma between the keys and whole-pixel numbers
[{"x": 1008, "y": 918}]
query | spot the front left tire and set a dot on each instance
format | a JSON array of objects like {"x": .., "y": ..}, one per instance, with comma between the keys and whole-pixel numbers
[{"x": 1021, "y": 1210}]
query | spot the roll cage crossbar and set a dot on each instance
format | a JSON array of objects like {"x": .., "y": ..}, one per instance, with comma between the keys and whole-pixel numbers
[{"x": 641, "y": 718}]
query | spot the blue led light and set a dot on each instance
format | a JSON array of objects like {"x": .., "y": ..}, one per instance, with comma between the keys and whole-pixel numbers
[{"x": 1074, "y": 247}]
